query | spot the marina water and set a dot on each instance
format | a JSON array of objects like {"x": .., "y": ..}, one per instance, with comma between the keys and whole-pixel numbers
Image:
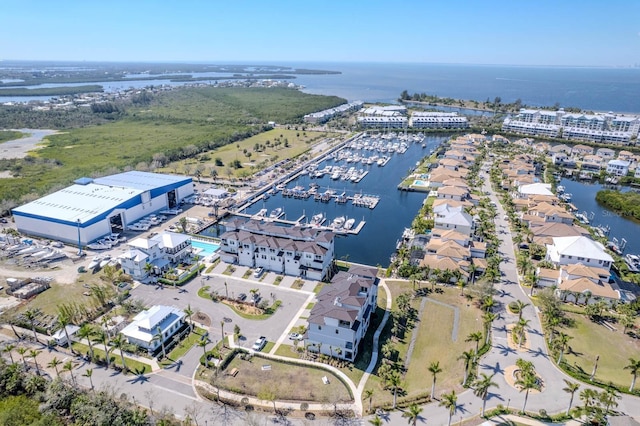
[
  {"x": 396, "y": 209},
  {"x": 584, "y": 198}
]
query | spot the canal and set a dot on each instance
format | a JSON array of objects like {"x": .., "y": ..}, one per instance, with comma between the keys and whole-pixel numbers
[
  {"x": 396, "y": 209},
  {"x": 584, "y": 198}
]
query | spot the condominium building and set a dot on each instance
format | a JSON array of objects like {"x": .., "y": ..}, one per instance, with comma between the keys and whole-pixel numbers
[
  {"x": 327, "y": 114},
  {"x": 437, "y": 120},
  {"x": 293, "y": 251},
  {"x": 609, "y": 127}
]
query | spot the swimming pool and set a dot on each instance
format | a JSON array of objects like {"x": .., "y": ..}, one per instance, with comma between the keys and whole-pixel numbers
[
  {"x": 419, "y": 182},
  {"x": 205, "y": 248}
]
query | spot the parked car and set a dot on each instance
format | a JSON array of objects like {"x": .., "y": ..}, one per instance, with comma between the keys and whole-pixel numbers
[
  {"x": 295, "y": 336},
  {"x": 258, "y": 272},
  {"x": 259, "y": 344},
  {"x": 242, "y": 297}
]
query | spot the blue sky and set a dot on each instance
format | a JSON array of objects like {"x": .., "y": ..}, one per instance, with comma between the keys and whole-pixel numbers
[{"x": 540, "y": 32}]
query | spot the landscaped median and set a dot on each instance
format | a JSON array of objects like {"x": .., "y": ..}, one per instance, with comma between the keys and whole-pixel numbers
[
  {"x": 246, "y": 310},
  {"x": 115, "y": 358}
]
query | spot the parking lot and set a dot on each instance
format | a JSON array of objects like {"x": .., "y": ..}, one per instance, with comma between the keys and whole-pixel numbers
[{"x": 293, "y": 303}]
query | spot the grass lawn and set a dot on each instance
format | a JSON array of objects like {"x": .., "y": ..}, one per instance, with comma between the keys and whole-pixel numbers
[
  {"x": 251, "y": 312},
  {"x": 49, "y": 300},
  {"x": 114, "y": 356},
  {"x": 245, "y": 151},
  {"x": 587, "y": 343},
  {"x": 8, "y": 135},
  {"x": 287, "y": 381},
  {"x": 183, "y": 347},
  {"x": 434, "y": 342}
]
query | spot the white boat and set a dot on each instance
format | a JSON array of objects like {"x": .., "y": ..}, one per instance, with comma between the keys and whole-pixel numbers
[
  {"x": 262, "y": 213},
  {"x": 338, "y": 222},
  {"x": 99, "y": 246},
  {"x": 28, "y": 250},
  {"x": 582, "y": 217},
  {"x": 317, "y": 219},
  {"x": 94, "y": 262},
  {"x": 104, "y": 261},
  {"x": 276, "y": 213},
  {"x": 560, "y": 189},
  {"x": 349, "y": 224}
]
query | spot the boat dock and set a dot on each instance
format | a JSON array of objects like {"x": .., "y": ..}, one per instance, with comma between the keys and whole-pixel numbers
[{"x": 300, "y": 223}]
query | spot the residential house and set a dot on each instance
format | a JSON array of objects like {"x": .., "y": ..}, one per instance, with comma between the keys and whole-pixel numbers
[
  {"x": 453, "y": 218},
  {"x": 579, "y": 283},
  {"x": 570, "y": 250},
  {"x": 160, "y": 252},
  {"x": 153, "y": 327},
  {"x": 342, "y": 314},
  {"x": 618, "y": 167}
]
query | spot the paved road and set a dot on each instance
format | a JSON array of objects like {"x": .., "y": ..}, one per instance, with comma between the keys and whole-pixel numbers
[{"x": 552, "y": 398}]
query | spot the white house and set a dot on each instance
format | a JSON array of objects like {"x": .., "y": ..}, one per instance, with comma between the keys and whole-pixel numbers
[
  {"x": 578, "y": 249},
  {"x": 339, "y": 320},
  {"x": 524, "y": 191},
  {"x": 61, "y": 337},
  {"x": 158, "y": 321},
  {"x": 455, "y": 218},
  {"x": 160, "y": 251},
  {"x": 618, "y": 167}
]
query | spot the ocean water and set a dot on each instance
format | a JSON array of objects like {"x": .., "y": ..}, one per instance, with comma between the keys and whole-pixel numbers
[{"x": 597, "y": 89}]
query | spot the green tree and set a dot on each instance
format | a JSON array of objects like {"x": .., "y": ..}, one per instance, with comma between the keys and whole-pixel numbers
[
  {"x": 87, "y": 332},
  {"x": 526, "y": 382},
  {"x": 68, "y": 366},
  {"x": 561, "y": 342},
  {"x": 468, "y": 358},
  {"x": 571, "y": 389},
  {"x": 31, "y": 315},
  {"x": 8, "y": 348},
  {"x": 450, "y": 402},
  {"x": 394, "y": 381},
  {"x": 189, "y": 312},
  {"x": 475, "y": 337},
  {"x": 119, "y": 342},
  {"x": 412, "y": 414},
  {"x": 89, "y": 373},
  {"x": 54, "y": 363},
  {"x": 368, "y": 395},
  {"x": 634, "y": 369},
  {"x": 434, "y": 369},
  {"x": 376, "y": 421},
  {"x": 481, "y": 389},
  {"x": 33, "y": 353}
]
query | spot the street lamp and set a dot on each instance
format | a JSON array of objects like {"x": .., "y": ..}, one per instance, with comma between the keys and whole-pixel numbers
[{"x": 79, "y": 240}]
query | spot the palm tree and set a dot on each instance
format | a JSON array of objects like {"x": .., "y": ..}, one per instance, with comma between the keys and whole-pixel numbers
[
  {"x": 609, "y": 398},
  {"x": 64, "y": 321},
  {"x": 571, "y": 388},
  {"x": 468, "y": 357},
  {"x": 160, "y": 338},
  {"x": 376, "y": 421},
  {"x": 102, "y": 337},
  {"x": 461, "y": 284},
  {"x": 119, "y": 343},
  {"x": 68, "y": 366},
  {"x": 413, "y": 414},
  {"x": 31, "y": 315},
  {"x": 8, "y": 348},
  {"x": 481, "y": 388},
  {"x": 634, "y": 369},
  {"x": 394, "y": 381},
  {"x": 22, "y": 350},
  {"x": 522, "y": 326},
  {"x": 588, "y": 396},
  {"x": 434, "y": 369},
  {"x": 88, "y": 374},
  {"x": 33, "y": 354},
  {"x": 54, "y": 363},
  {"x": 203, "y": 344},
  {"x": 86, "y": 332},
  {"x": 561, "y": 343},
  {"x": 222, "y": 331},
  {"x": 189, "y": 312},
  {"x": 521, "y": 305},
  {"x": 488, "y": 318},
  {"x": 368, "y": 394},
  {"x": 450, "y": 402},
  {"x": 526, "y": 382},
  {"x": 475, "y": 337},
  {"x": 148, "y": 268}
]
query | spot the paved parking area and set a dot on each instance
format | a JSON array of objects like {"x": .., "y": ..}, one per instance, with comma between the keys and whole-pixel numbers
[{"x": 274, "y": 327}]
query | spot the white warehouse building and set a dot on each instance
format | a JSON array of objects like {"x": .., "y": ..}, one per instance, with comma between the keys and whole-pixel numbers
[{"x": 92, "y": 208}]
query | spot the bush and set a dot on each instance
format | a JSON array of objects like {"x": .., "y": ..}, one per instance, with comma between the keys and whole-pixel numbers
[{"x": 513, "y": 307}]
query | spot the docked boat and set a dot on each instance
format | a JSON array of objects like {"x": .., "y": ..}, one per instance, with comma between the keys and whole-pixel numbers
[
  {"x": 560, "y": 189},
  {"x": 633, "y": 262},
  {"x": 262, "y": 213},
  {"x": 582, "y": 217},
  {"x": 338, "y": 222},
  {"x": 349, "y": 224},
  {"x": 317, "y": 219},
  {"x": 276, "y": 213}
]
